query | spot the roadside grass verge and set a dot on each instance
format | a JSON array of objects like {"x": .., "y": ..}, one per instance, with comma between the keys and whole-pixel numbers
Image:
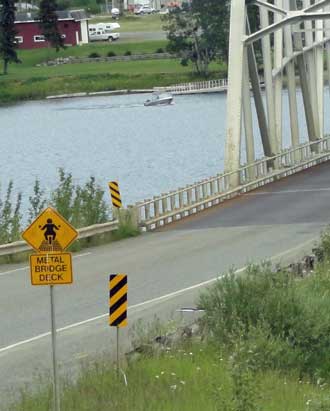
[
  {"x": 187, "y": 378},
  {"x": 263, "y": 345},
  {"x": 132, "y": 23}
]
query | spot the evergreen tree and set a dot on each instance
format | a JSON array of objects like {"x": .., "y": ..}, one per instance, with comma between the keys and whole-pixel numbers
[
  {"x": 48, "y": 23},
  {"x": 8, "y": 43}
]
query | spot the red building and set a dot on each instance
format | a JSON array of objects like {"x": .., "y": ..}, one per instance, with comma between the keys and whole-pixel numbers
[{"x": 73, "y": 26}]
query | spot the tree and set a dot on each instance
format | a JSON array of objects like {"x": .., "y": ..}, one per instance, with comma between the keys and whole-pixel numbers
[
  {"x": 213, "y": 18},
  {"x": 48, "y": 23},
  {"x": 187, "y": 39},
  {"x": 8, "y": 43}
]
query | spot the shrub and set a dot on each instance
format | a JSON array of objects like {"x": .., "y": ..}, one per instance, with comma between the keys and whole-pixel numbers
[
  {"x": 127, "y": 53},
  {"x": 93, "y": 209},
  {"x": 160, "y": 50},
  {"x": 10, "y": 216},
  {"x": 285, "y": 318},
  {"x": 37, "y": 201},
  {"x": 94, "y": 55},
  {"x": 111, "y": 54},
  {"x": 82, "y": 206},
  {"x": 63, "y": 196}
]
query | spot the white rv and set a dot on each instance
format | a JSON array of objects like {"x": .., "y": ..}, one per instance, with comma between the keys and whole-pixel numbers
[{"x": 103, "y": 31}]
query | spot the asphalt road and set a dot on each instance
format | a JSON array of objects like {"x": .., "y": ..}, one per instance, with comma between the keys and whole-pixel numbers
[
  {"x": 142, "y": 36},
  {"x": 270, "y": 221}
]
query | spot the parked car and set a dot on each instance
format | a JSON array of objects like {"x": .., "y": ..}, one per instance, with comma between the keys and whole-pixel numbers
[
  {"x": 115, "y": 13},
  {"x": 144, "y": 10},
  {"x": 103, "y": 36}
]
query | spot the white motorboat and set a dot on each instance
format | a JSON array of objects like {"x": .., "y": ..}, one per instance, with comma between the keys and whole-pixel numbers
[{"x": 159, "y": 99}]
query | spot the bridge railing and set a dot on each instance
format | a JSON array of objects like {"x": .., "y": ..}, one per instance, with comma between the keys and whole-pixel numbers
[{"x": 193, "y": 198}]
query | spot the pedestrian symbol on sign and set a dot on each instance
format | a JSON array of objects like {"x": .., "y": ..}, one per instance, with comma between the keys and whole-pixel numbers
[{"x": 50, "y": 233}]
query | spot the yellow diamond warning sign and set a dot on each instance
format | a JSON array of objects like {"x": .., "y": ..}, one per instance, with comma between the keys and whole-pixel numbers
[
  {"x": 50, "y": 232},
  {"x": 51, "y": 269}
]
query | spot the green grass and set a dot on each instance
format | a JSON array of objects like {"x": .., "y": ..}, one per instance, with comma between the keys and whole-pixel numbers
[
  {"x": 187, "y": 378},
  {"x": 131, "y": 23},
  {"x": 30, "y": 58},
  {"x": 27, "y": 81},
  {"x": 265, "y": 348}
]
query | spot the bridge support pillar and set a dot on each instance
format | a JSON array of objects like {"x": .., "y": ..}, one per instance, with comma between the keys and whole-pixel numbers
[
  {"x": 292, "y": 92},
  {"x": 256, "y": 90},
  {"x": 327, "y": 34},
  {"x": 267, "y": 55},
  {"x": 234, "y": 95},
  {"x": 278, "y": 56},
  {"x": 305, "y": 89},
  {"x": 248, "y": 125}
]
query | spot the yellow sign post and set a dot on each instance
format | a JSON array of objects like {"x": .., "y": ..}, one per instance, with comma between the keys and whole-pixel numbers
[
  {"x": 51, "y": 269},
  {"x": 115, "y": 194},
  {"x": 118, "y": 305},
  {"x": 50, "y": 232}
]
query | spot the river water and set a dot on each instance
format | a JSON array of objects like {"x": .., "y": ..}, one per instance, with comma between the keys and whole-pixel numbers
[{"x": 149, "y": 150}]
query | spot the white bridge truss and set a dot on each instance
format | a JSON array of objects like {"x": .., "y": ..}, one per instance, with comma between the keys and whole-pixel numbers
[{"x": 293, "y": 43}]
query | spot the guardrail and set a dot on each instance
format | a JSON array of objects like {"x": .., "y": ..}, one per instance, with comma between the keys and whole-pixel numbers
[
  {"x": 20, "y": 246},
  {"x": 175, "y": 205},
  {"x": 220, "y": 84}
]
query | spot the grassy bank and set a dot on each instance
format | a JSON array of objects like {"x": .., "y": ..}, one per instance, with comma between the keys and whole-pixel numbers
[
  {"x": 263, "y": 345},
  {"x": 187, "y": 378},
  {"x": 132, "y": 23},
  {"x": 27, "y": 81}
]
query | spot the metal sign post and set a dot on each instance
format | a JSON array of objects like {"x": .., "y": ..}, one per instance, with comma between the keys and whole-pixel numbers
[
  {"x": 118, "y": 306},
  {"x": 49, "y": 234},
  {"x": 56, "y": 397},
  {"x": 118, "y": 352}
]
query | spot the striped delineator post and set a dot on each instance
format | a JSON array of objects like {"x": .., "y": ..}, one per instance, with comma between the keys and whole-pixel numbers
[
  {"x": 115, "y": 194},
  {"x": 118, "y": 305}
]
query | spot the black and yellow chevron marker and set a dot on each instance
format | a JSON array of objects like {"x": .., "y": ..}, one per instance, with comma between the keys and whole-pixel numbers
[
  {"x": 115, "y": 194},
  {"x": 118, "y": 300}
]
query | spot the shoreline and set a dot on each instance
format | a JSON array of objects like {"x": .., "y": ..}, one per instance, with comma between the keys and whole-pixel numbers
[{"x": 99, "y": 93}]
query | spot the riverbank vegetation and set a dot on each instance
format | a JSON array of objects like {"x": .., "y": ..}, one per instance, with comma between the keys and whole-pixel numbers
[
  {"x": 81, "y": 204},
  {"x": 28, "y": 81},
  {"x": 262, "y": 345}
]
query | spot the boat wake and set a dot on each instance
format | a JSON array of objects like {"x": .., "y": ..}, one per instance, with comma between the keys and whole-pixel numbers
[{"x": 100, "y": 107}]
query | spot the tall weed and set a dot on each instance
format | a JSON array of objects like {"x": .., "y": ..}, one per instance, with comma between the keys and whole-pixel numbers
[
  {"x": 82, "y": 206},
  {"x": 283, "y": 319},
  {"x": 63, "y": 196},
  {"x": 10, "y": 216},
  {"x": 37, "y": 201}
]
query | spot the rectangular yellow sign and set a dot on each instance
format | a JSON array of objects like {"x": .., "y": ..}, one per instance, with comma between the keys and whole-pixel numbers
[{"x": 51, "y": 269}]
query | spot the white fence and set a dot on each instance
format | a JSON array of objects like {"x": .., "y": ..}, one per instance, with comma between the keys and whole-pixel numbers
[
  {"x": 175, "y": 205},
  {"x": 199, "y": 86}
]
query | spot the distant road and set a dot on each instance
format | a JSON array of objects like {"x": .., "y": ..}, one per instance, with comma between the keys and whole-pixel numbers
[
  {"x": 269, "y": 221},
  {"x": 142, "y": 35}
]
